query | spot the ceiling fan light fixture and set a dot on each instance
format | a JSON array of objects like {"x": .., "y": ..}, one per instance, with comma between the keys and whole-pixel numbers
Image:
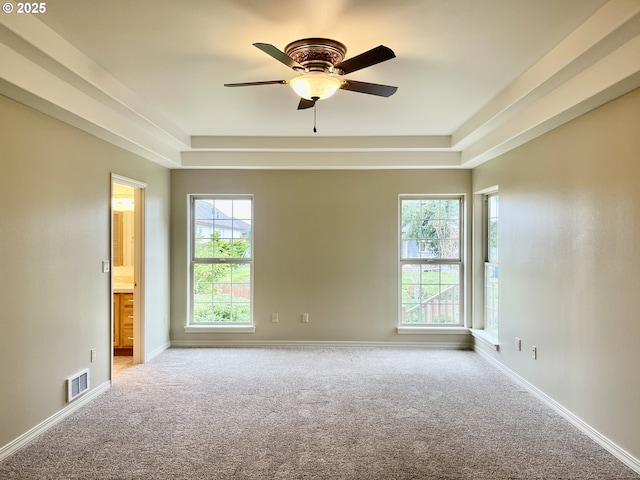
[{"x": 315, "y": 85}]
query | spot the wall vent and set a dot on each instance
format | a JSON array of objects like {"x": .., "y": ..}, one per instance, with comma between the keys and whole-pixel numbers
[{"x": 77, "y": 385}]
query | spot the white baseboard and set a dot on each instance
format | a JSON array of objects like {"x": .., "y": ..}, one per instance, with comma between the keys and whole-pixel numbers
[
  {"x": 156, "y": 351},
  {"x": 15, "y": 445},
  {"x": 618, "y": 452},
  {"x": 302, "y": 343}
]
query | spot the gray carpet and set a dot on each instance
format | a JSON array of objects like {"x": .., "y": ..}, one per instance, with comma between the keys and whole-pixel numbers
[{"x": 314, "y": 413}]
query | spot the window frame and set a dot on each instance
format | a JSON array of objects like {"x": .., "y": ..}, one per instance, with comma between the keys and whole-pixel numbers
[
  {"x": 219, "y": 327},
  {"x": 482, "y": 337},
  {"x": 489, "y": 263},
  {"x": 408, "y": 328}
]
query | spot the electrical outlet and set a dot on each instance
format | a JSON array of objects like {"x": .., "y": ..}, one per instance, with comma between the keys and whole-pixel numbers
[
  {"x": 274, "y": 318},
  {"x": 518, "y": 344},
  {"x": 305, "y": 318},
  {"x": 93, "y": 355},
  {"x": 534, "y": 352}
]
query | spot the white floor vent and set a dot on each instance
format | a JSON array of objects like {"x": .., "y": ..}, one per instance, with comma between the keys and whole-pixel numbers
[{"x": 77, "y": 385}]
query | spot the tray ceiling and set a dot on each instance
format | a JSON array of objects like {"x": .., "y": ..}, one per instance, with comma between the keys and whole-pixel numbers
[{"x": 475, "y": 78}]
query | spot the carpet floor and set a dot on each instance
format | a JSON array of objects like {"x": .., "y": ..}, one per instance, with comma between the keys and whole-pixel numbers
[{"x": 314, "y": 413}]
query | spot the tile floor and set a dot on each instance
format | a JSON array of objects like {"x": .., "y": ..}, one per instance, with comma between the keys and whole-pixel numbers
[{"x": 121, "y": 363}]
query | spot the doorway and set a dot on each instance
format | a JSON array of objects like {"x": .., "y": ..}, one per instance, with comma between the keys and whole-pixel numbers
[{"x": 127, "y": 254}]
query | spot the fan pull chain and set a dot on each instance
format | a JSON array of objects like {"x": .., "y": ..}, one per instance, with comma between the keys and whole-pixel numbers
[{"x": 315, "y": 102}]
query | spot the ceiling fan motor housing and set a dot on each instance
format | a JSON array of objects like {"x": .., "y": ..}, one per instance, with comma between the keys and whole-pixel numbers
[{"x": 317, "y": 54}]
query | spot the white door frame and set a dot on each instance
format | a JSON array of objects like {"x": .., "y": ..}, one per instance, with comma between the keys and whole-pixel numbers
[{"x": 138, "y": 267}]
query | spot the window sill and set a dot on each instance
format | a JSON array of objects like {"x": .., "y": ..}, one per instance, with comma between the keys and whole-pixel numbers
[
  {"x": 220, "y": 328},
  {"x": 431, "y": 330},
  {"x": 488, "y": 339}
]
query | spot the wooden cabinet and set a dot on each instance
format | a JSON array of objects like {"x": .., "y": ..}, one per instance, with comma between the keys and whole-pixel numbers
[{"x": 123, "y": 321}]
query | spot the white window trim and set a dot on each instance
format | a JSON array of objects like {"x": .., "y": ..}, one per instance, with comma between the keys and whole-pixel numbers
[
  {"x": 479, "y": 260},
  {"x": 432, "y": 330},
  {"x": 215, "y": 327},
  {"x": 425, "y": 329},
  {"x": 219, "y": 328},
  {"x": 487, "y": 338}
]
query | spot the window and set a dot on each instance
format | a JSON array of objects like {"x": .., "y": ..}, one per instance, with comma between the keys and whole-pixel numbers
[
  {"x": 430, "y": 261},
  {"x": 221, "y": 260},
  {"x": 491, "y": 271}
]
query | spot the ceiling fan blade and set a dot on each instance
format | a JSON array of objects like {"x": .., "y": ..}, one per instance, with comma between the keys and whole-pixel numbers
[
  {"x": 305, "y": 103},
  {"x": 279, "y": 55},
  {"x": 371, "y": 57},
  {"x": 251, "y": 84},
  {"x": 370, "y": 88}
]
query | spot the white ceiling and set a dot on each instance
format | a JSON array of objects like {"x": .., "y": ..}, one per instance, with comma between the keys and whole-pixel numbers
[{"x": 475, "y": 77}]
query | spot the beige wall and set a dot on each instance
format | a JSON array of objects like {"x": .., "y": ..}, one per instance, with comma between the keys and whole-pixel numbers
[
  {"x": 54, "y": 213},
  {"x": 326, "y": 243},
  {"x": 569, "y": 258}
]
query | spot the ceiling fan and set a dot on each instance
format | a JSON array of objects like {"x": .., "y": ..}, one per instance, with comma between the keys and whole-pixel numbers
[{"x": 321, "y": 67}]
